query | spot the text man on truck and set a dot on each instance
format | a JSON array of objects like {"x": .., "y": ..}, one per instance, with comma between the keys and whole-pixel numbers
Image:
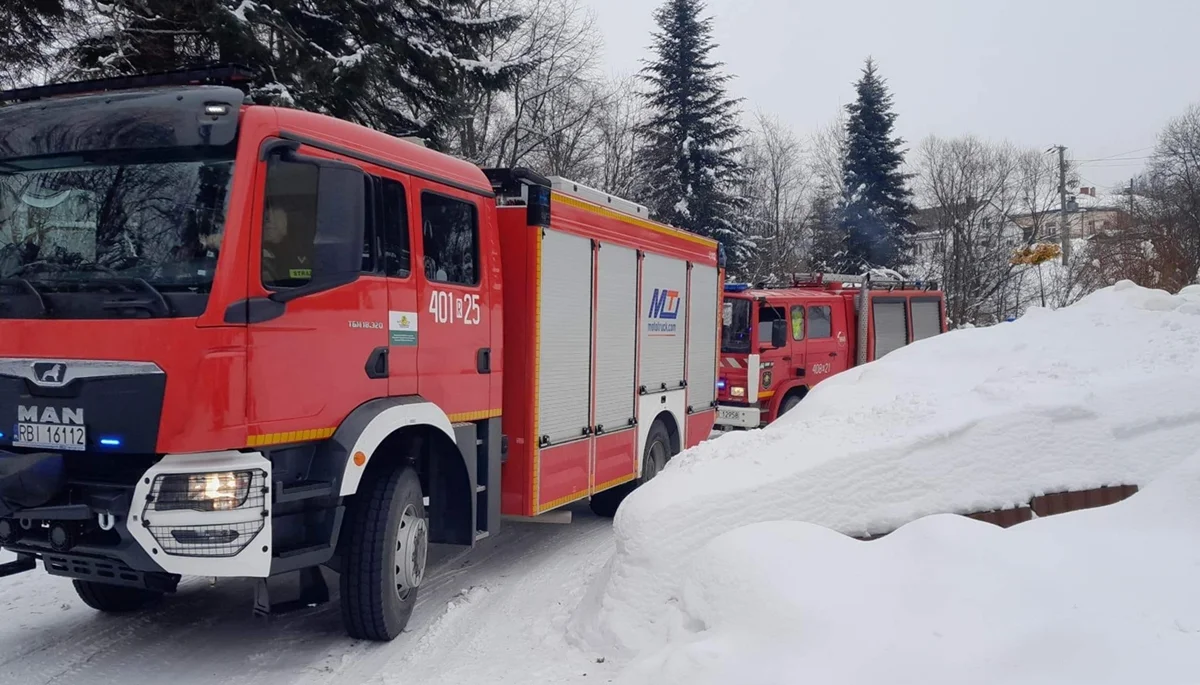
[{"x": 242, "y": 341}]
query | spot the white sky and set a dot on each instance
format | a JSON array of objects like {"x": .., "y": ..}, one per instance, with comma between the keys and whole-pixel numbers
[{"x": 1099, "y": 76}]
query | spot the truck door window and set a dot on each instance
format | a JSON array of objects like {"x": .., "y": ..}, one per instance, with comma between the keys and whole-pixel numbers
[
  {"x": 927, "y": 318},
  {"x": 797, "y": 323},
  {"x": 891, "y": 325},
  {"x": 397, "y": 259},
  {"x": 450, "y": 238},
  {"x": 289, "y": 226},
  {"x": 820, "y": 322}
]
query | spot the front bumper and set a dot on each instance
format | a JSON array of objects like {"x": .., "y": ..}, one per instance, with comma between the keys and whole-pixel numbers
[
  {"x": 118, "y": 533},
  {"x": 738, "y": 416}
]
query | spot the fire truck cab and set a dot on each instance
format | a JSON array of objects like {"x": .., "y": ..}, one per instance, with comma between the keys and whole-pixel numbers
[{"x": 777, "y": 343}]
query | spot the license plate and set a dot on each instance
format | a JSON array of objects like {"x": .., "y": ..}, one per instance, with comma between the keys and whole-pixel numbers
[
  {"x": 51, "y": 436},
  {"x": 727, "y": 415}
]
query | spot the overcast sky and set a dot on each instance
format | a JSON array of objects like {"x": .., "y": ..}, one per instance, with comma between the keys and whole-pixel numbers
[{"x": 1099, "y": 76}]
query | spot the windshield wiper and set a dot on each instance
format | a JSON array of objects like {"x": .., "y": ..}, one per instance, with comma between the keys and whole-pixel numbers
[
  {"x": 29, "y": 287},
  {"x": 157, "y": 304}
]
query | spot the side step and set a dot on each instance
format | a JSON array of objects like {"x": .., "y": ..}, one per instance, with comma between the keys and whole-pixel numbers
[{"x": 23, "y": 563}]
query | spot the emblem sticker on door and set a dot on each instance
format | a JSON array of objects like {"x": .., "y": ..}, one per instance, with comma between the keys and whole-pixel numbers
[{"x": 402, "y": 328}]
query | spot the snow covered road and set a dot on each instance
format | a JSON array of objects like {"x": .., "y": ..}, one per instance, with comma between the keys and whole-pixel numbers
[{"x": 494, "y": 615}]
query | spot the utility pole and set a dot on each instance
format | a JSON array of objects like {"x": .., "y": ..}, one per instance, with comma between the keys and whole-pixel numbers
[{"x": 1064, "y": 231}]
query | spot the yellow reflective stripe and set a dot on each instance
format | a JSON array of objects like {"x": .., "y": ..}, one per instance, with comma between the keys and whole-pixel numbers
[
  {"x": 630, "y": 219},
  {"x": 309, "y": 435},
  {"x": 466, "y": 417}
]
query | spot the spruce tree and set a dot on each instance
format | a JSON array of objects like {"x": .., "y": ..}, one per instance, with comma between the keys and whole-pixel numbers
[
  {"x": 396, "y": 65},
  {"x": 878, "y": 203},
  {"x": 691, "y": 156}
]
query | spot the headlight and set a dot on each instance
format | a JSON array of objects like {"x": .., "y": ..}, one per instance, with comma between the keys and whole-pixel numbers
[
  {"x": 737, "y": 391},
  {"x": 220, "y": 491}
]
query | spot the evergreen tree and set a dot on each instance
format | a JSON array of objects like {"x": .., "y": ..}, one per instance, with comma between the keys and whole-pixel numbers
[
  {"x": 877, "y": 206},
  {"x": 399, "y": 66},
  {"x": 691, "y": 158},
  {"x": 29, "y": 28}
]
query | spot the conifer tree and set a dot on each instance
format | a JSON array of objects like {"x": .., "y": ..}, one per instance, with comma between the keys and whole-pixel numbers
[
  {"x": 396, "y": 65},
  {"x": 691, "y": 156},
  {"x": 878, "y": 203}
]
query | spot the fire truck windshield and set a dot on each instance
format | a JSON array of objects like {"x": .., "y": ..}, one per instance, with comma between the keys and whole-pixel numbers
[
  {"x": 735, "y": 327},
  {"x": 153, "y": 221}
]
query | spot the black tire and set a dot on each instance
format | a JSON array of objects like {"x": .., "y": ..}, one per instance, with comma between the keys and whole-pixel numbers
[
  {"x": 389, "y": 513},
  {"x": 655, "y": 456},
  {"x": 114, "y": 599},
  {"x": 789, "y": 403}
]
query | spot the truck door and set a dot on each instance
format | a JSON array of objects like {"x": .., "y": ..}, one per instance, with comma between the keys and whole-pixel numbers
[
  {"x": 828, "y": 352},
  {"x": 394, "y": 246},
  {"x": 454, "y": 318},
  {"x": 308, "y": 359}
]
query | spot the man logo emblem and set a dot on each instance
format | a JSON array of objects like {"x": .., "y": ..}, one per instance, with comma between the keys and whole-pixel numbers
[{"x": 49, "y": 373}]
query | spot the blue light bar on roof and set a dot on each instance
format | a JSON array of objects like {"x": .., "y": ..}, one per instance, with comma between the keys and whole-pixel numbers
[{"x": 736, "y": 287}]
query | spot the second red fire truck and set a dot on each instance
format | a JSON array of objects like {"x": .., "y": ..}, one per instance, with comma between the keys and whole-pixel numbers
[
  {"x": 777, "y": 343},
  {"x": 242, "y": 341}
]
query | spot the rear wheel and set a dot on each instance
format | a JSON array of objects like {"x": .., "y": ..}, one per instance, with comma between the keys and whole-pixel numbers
[
  {"x": 387, "y": 551},
  {"x": 655, "y": 456},
  {"x": 114, "y": 599}
]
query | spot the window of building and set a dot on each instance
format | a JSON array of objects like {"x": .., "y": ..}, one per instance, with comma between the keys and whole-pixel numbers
[{"x": 450, "y": 237}]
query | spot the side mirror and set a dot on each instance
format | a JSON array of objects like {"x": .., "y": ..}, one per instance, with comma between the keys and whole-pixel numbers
[
  {"x": 341, "y": 223},
  {"x": 779, "y": 333}
]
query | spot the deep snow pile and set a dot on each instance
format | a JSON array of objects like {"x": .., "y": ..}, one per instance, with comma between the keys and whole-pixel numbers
[
  {"x": 1101, "y": 596},
  {"x": 1104, "y": 392}
]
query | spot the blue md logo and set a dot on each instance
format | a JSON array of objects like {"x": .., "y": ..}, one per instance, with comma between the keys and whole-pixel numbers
[{"x": 664, "y": 310}]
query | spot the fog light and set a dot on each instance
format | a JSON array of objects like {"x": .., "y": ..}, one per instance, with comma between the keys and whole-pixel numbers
[
  {"x": 221, "y": 491},
  {"x": 216, "y": 540},
  {"x": 737, "y": 391},
  {"x": 61, "y": 538}
]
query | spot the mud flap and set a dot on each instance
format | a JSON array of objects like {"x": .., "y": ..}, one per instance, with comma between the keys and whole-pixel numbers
[{"x": 314, "y": 591}]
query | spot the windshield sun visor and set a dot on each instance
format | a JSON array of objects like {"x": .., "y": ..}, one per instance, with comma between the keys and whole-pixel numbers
[{"x": 185, "y": 117}]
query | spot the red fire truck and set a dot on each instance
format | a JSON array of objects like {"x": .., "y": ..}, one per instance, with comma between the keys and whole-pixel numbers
[
  {"x": 777, "y": 343},
  {"x": 237, "y": 340}
]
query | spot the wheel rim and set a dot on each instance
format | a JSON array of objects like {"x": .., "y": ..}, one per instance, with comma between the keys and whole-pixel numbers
[
  {"x": 656, "y": 459},
  {"x": 412, "y": 550}
]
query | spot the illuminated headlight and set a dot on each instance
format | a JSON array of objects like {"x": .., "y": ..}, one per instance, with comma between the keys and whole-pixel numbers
[
  {"x": 737, "y": 391},
  {"x": 222, "y": 491},
  {"x": 206, "y": 514}
]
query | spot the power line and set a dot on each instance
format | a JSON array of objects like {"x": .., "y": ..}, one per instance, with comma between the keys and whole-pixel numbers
[{"x": 1119, "y": 155}]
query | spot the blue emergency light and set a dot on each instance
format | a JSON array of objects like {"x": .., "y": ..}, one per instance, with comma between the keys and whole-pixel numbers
[
  {"x": 110, "y": 442},
  {"x": 736, "y": 287}
]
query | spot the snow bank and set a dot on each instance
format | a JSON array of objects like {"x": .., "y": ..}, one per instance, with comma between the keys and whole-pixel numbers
[
  {"x": 1104, "y": 392},
  {"x": 1100, "y": 596}
]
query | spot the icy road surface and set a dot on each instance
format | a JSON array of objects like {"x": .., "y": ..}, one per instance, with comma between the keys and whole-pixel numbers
[{"x": 493, "y": 615}]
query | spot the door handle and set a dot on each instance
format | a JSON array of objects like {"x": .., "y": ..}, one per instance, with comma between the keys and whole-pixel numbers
[
  {"x": 377, "y": 363},
  {"x": 833, "y": 354}
]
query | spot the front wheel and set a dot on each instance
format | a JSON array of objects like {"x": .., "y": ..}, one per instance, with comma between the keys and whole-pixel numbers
[
  {"x": 114, "y": 599},
  {"x": 385, "y": 559}
]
